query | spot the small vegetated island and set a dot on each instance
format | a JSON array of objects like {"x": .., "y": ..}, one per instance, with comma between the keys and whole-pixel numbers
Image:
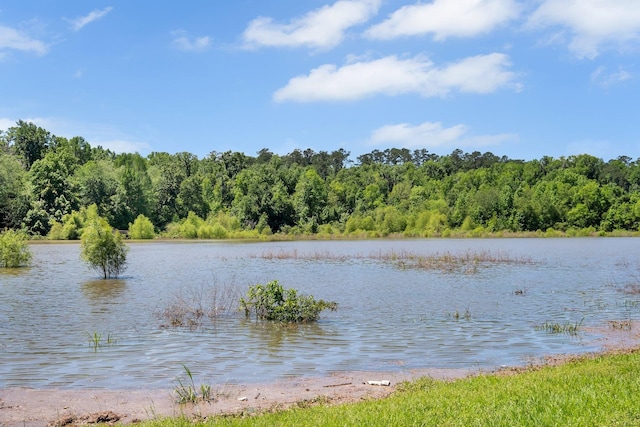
[
  {"x": 48, "y": 182},
  {"x": 273, "y": 302}
]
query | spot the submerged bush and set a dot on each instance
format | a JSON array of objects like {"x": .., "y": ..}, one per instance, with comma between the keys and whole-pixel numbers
[
  {"x": 273, "y": 302},
  {"x": 14, "y": 251},
  {"x": 103, "y": 249}
]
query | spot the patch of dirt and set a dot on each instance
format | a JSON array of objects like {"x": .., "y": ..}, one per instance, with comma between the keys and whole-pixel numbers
[
  {"x": 106, "y": 417},
  {"x": 57, "y": 408}
]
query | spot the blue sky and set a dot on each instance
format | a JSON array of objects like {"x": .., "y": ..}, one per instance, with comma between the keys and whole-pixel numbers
[{"x": 522, "y": 78}]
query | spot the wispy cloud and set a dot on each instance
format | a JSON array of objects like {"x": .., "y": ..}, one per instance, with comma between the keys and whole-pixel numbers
[
  {"x": 323, "y": 28},
  {"x": 592, "y": 25},
  {"x": 446, "y": 18},
  {"x": 605, "y": 78},
  {"x": 6, "y": 123},
  {"x": 182, "y": 42},
  {"x": 435, "y": 135},
  {"x": 97, "y": 134},
  {"x": 12, "y": 39},
  {"x": 393, "y": 76},
  {"x": 94, "y": 15}
]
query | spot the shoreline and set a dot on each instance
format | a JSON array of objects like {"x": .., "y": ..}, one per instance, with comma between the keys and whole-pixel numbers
[{"x": 30, "y": 407}]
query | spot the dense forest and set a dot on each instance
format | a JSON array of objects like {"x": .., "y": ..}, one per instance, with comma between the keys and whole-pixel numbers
[{"x": 48, "y": 184}]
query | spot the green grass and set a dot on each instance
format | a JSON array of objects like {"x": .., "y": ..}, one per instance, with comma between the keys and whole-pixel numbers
[{"x": 603, "y": 390}]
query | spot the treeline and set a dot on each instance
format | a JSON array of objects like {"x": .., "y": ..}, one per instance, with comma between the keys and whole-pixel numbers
[{"x": 48, "y": 184}]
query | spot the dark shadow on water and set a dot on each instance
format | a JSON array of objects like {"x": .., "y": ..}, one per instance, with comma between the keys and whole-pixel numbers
[{"x": 104, "y": 290}]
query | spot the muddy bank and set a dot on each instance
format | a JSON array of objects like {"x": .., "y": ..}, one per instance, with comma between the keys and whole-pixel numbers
[{"x": 31, "y": 408}]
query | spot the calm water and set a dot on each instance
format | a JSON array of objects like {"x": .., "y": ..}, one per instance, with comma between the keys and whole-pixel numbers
[{"x": 389, "y": 318}]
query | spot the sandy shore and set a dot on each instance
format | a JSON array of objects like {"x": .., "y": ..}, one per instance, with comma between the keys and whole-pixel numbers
[
  {"x": 51, "y": 407},
  {"x": 38, "y": 407}
]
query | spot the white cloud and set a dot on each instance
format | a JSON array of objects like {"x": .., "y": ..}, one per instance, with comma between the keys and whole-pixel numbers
[
  {"x": 393, "y": 76},
  {"x": 94, "y": 15},
  {"x": 15, "y": 40},
  {"x": 434, "y": 135},
  {"x": 593, "y": 25},
  {"x": 96, "y": 134},
  {"x": 5, "y": 123},
  {"x": 182, "y": 42},
  {"x": 446, "y": 18},
  {"x": 322, "y": 28},
  {"x": 603, "y": 77}
]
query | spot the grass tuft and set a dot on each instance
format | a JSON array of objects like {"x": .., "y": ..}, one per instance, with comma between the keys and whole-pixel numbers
[{"x": 187, "y": 392}]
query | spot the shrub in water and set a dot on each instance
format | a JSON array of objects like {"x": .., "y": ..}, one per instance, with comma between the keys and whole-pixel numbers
[
  {"x": 14, "y": 251},
  {"x": 102, "y": 248},
  {"x": 273, "y": 302}
]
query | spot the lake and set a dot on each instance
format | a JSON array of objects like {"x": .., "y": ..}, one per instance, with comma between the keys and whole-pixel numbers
[{"x": 62, "y": 327}]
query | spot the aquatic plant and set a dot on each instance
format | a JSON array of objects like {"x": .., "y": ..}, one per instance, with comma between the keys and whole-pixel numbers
[
  {"x": 95, "y": 340},
  {"x": 569, "y": 328},
  {"x": 466, "y": 315},
  {"x": 273, "y": 302},
  {"x": 191, "y": 307},
  {"x": 467, "y": 262}
]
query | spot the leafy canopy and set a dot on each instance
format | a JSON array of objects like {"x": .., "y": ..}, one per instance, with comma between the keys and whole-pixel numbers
[
  {"x": 102, "y": 248},
  {"x": 142, "y": 228},
  {"x": 14, "y": 251}
]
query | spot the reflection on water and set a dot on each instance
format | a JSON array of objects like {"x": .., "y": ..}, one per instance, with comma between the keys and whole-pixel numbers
[
  {"x": 101, "y": 290},
  {"x": 275, "y": 336},
  {"x": 389, "y": 317},
  {"x": 9, "y": 272}
]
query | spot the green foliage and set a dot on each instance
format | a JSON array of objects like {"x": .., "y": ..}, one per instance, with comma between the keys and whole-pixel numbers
[
  {"x": 52, "y": 189},
  {"x": 310, "y": 200},
  {"x": 43, "y": 178},
  {"x": 142, "y": 228},
  {"x": 72, "y": 225},
  {"x": 14, "y": 251},
  {"x": 102, "y": 248},
  {"x": 273, "y": 302},
  {"x": 186, "y": 391},
  {"x": 97, "y": 184},
  {"x": 134, "y": 195},
  {"x": 13, "y": 200},
  {"x": 29, "y": 142}
]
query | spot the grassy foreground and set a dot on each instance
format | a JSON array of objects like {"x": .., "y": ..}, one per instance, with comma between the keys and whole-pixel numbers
[{"x": 600, "y": 390}]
